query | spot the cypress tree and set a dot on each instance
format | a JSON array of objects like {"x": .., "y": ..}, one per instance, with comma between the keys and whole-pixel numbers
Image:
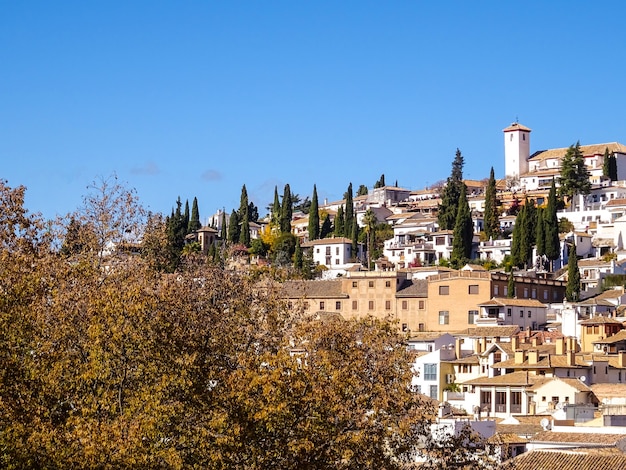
[
  {"x": 525, "y": 233},
  {"x": 339, "y": 223},
  {"x": 297, "y": 256},
  {"x": 613, "y": 167},
  {"x": 574, "y": 177},
  {"x": 510, "y": 290},
  {"x": 492, "y": 223},
  {"x": 531, "y": 223},
  {"x": 223, "y": 232},
  {"x": 572, "y": 290},
  {"x": 552, "y": 244},
  {"x": 286, "y": 211},
  {"x": 314, "y": 217},
  {"x": 233, "y": 227},
  {"x": 327, "y": 227},
  {"x": 243, "y": 203},
  {"x": 451, "y": 193},
  {"x": 355, "y": 236},
  {"x": 540, "y": 234},
  {"x": 276, "y": 209},
  {"x": 186, "y": 216},
  {"x": 244, "y": 232},
  {"x": 194, "y": 221},
  {"x": 606, "y": 163},
  {"x": 349, "y": 213},
  {"x": 463, "y": 230}
]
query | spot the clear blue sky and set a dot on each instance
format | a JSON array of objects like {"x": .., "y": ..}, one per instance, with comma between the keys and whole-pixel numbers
[{"x": 195, "y": 99}]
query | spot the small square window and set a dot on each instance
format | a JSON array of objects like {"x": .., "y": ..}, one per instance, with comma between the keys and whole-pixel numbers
[
  {"x": 387, "y": 283},
  {"x": 354, "y": 284},
  {"x": 387, "y": 304},
  {"x": 322, "y": 305},
  {"x": 370, "y": 284},
  {"x": 371, "y": 305},
  {"x": 338, "y": 305},
  {"x": 444, "y": 290},
  {"x": 473, "y": 289},
  {"x": 421, "y": 305},
  {"x": 405, "y": 305},
  {"x": 354, "y": 305}
]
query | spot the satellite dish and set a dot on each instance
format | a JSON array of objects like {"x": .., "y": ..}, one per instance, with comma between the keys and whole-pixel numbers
[
  {"x": 583, "y": 378},
  {"x": 544, "y": 423}
]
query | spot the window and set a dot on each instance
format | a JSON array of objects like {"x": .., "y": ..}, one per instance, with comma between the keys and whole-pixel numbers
[
  {"x": 337, "y": 261},
  {"x": 471, "y": 316},
  {"x": 433, "y": 389},
  {"x": 354, "y": 305},
  {"x": 506, "y": 290},
  {"x": 508, "y": 312},
  {"x": 430, "y": 371},
  {"x": 496, "y": 291},
  {"x": 440, "y": 240},
  {"x": 473, "y": 289},
  {"x": 545, "y": 294},
  {"x": 405, "y": 327},
  {"x": 421, "y": 327},
  {"x": 444, "y": 290},
  {"x": 521, "y": 313},
  {"x": 421, "y": 305},
  {"x": 533, "y": 293},
  {"x": 338, "y": 305},
  {"x": 322, "y": 305},
  {"x": 337, "y": 251},
  {"x": 371, "y": 305},
  {"x": 387, "y": 283},
  {"x": 525, "y": 292},
  {"x": 417, "y": 388},
  {"x": 370, "y": 284},
  {"x": 306, "y": 305},
  {"x": 328, "y": 250},
  {"x": 354, "y": 284},
  {"x": 530, "y": 314},
  {"x": 387, "y": 304},
  {"x": 405, "y": 305},
  {"x": 444, "y": 317}
]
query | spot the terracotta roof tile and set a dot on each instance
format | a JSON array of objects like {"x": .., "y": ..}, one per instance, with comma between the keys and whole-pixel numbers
[
  {"x": 313, "y": 289},
  {"x": 553, "y": 459}
]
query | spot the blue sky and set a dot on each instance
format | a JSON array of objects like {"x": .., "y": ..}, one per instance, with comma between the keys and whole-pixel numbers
[{"x": 195, "y": 99}]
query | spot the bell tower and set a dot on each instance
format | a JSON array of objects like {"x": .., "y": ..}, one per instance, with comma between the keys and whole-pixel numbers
[{"x": 516, "y": 150}]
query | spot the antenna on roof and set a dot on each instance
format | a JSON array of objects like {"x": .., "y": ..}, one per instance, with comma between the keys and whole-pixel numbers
[{"x": 516, "y": 120}]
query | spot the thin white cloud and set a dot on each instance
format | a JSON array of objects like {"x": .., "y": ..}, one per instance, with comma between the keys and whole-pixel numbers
[
  {"x": 211, "y": 175},
  {"x": 150, "y": 168}
]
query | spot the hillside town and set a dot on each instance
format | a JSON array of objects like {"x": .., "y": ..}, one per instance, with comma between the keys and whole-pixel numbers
[{"x": 500, "y": 347}]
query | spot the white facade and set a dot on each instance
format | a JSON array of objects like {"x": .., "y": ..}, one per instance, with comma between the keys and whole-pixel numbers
[{"x": 516, "y": 150}]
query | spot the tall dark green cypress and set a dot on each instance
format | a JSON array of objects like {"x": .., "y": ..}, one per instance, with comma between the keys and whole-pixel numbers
[
  {"x": 355, "y": 236},
  {"x": 492, "y": 222},
  {"x": 233, "y": 227},
  {"x": 606, "y": 162},
  {"x": 297, "y": 256},
  {"x": 572, "y": 289},
  {"x": 286, "y": 211},
  {"x": 463, "y": 230},
  {"x": 526, "y": 233},
  {"x": 194, "y": 220},
  {"x": 327, "y": 227},
  {"x": 613, "y": 167},
  {"x": 186, "y": 216},
  {"x": 451, "y": 193},
  {"x": 339, "y": 223},
  {"x": 244, "y": 218},
  {"x": 349, "y": 213},
  {"x": 510, "y": 290},
  {"x": 223, "y": 228},
  {"x": 552, "y": 243},
  {"x": 314, "y": 217},
  {"x": 540, "y": 234},
  {"x": 276, "y": 209}
]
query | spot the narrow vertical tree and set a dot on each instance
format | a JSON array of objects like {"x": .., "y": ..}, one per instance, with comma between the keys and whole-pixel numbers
[
  {"x": 613, "y": 167},
  {"x": 492, "y": 223},
  {"x": 314, "y": 217},
  {"x": 243, "y": 216},
  {"x": 355, "y": 236},
  {"x": 339, "y": 223},
  {"x": 327, "y": 227},
  {"x": 451, "y": 193},
  {"x": 463, "y": 230},
  {"x": 223, "y": 228},
  {"x": 606, "y": 163},
  {"x": 552, "y": 242},
  {"x": 194, "y": 220},
  {"x": 572, "y": 289},
  {"x": 510, "y": 290},
  {"x": 186, "y": 217},
  {"x": 349, "y": 213},
  {"x": 540, "y": 234},
  {"x": 369, "y": 222},
  {"x": 286, "y": 211},
  {"x": 244, "y": 232},
  {"x": 297, "y": 256},
  {"x": 233, "y": 227},
  {"x": 381, "y": 182},
  {"x": 275, "y": 215}
]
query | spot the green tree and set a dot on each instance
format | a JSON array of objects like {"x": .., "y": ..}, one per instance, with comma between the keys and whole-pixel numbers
[
  {"x": 613, "y": 167},
  {"x": 327, "y": 227},
  {"x": 540, "y": 235},
  {"x": 355, "y": 236},
  {"x": 369, "y": 222},
  {"x": 463, "y": 230},
  {"x": 552, "y": 243},
  {"x": 314, "y": 217},
  {"x": 492, "y": 222},
  {"x": 339, "y": 223},
  {"x": 194, "y": 220},
  {"x": 276, "y": 209},
  {"x": 186, "y": 216},
  {"x": 349, "y": 213},
  {"x": 574, "y": 177},
  {"x": 572, "y": 289},
  {"x": 176, "y": 232},
  {"x": 510, "y": 291},
  {"x": 362, "y": 191},
  {"x": 451, "y": 194},
  {"x": 606, "y": 163},
  {"x": 233, "y": 227},
  {"x": 286, "y": 211},
  {"x": 381, "y": 182},
  {"x": 224, "y": 227},
  {"x": 298, "y": 257}
]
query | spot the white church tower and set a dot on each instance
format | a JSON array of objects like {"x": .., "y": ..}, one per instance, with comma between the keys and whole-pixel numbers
[{"x": 516, "y": 150}]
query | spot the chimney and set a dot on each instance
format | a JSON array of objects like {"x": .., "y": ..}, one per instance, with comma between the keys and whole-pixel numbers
[
  {"x": 560, "y": 346},
  {"x": 477, "y": 345},
  {"x": 621, "y": 358},
  {"x": 571, "y": 358},
  {"x": 520, "y": 356},
  {"x": 527, "y": 333},
  {"x": 533, "y": 356},
  {"x": 457, "y": 347},
  {"x": 483, "y": 344},
  {"x": 536, "y": 341},
  {"x": 572, "y": 345},
  {"x": 514, "y": 342}
]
